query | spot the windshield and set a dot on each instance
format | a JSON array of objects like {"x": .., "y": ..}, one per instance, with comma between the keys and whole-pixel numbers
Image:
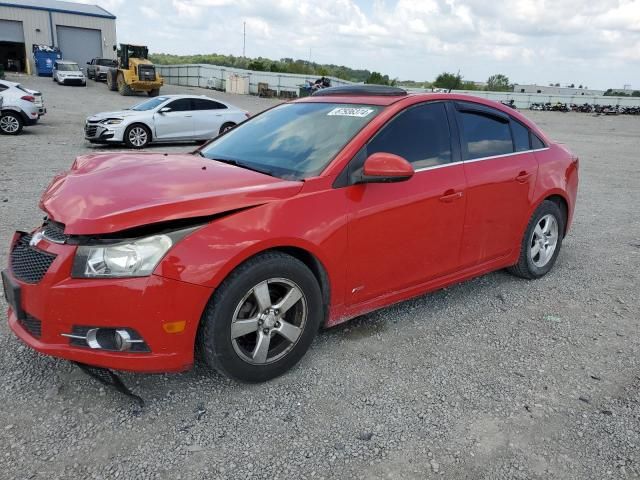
[
  {"x": 106, "y": 63},
  {"x": 68, "y": 67},
  {"x": 149, "y": 104},
  {"x": 295, "y": 140}
]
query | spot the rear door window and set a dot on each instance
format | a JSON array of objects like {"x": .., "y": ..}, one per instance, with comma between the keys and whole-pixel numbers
[
  {"x": 420, "y": 134},
  {"x": 520, "y": 136},
  {"x": 204, "y": 104},
  {"x": 484, "y": 134},
  {"x": 536, "y": 143}
]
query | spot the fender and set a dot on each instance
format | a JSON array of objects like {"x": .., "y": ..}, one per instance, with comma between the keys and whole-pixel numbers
[{"x": 208, "y": 257}]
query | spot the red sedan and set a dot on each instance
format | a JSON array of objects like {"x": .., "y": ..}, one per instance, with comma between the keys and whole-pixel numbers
[{"x": 306, "y": 215}]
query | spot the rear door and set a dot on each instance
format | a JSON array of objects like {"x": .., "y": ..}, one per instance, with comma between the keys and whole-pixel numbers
[
  {"x": 208, "y": 117},
  {"x": 501, "y": 170},
  {"x": 404, "y": 234},
  {"x": 176, "y": 124}
]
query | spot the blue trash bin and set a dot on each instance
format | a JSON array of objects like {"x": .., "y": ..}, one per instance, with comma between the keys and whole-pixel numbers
[{"x": 44, "y": 56}]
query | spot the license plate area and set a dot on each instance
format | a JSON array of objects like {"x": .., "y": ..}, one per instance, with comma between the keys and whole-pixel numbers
[{"x": 13, "y": 295}]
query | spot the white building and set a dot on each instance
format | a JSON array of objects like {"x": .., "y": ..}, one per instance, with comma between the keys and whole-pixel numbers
[
  {"x": 569, "y": 91},
  {"x": 81, "y": 31}
]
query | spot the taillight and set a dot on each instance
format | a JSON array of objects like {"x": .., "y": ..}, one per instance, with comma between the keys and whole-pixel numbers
[{"x": 28, "y": 98}]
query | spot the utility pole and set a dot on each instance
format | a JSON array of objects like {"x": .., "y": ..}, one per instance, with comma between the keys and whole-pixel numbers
[{"x": 244, "y": 38}]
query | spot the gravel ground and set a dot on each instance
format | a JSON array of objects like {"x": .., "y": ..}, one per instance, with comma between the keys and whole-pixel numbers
[{"x": 494, "y": 378}]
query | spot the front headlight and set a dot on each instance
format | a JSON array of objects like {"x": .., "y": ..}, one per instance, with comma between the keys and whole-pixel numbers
[
  {"x": 111, "y": 121},
  {"x": 137, "y": 258}
]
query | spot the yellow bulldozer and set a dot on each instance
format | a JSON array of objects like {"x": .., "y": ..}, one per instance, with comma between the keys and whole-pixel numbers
[{"x": 134, "y": 73}]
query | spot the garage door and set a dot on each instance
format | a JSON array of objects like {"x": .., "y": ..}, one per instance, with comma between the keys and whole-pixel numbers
[
  {"x": 11, "y": 31},
  {"x": 79, "y": 44}
]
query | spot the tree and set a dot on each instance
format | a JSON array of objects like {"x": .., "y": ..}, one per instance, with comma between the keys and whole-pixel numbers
[
  {"x": 498, "y": 83},
  {"x": 377, "y": 78},
  {"x": 469, "y": 86},
  {"x": 635, "y": 93},
  {"x": 449, "y": 81},
  {"x": 572, "y": 85}
]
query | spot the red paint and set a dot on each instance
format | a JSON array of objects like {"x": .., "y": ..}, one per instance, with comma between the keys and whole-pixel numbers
[{"x": 379, "y": 243}]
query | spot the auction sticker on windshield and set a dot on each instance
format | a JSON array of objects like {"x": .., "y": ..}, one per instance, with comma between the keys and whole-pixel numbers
[{"x": 350, "y": 112}]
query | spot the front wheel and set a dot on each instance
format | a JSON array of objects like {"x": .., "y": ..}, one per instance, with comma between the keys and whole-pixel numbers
[
  {"x": 137, "y": 136},
  {"x": 262, "y": 319},
  {"x": 154, "y": 92},
  {"x": 541, "y": 242}
]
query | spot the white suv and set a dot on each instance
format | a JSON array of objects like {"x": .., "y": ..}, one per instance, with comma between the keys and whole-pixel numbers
[
  {"x": 68, "y": 73},
  {"x": 21, "y": 107}
]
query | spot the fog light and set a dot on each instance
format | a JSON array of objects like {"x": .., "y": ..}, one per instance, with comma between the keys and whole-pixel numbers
[
  {"x": 112, "y": 339},
  {"x": 122, "y": 340}
]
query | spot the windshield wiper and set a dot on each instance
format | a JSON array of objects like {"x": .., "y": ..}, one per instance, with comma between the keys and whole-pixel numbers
[{"x": 236, "y": 163}]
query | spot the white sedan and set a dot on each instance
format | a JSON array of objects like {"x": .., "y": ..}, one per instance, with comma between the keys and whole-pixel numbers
[{"x": 167, "y": 118}]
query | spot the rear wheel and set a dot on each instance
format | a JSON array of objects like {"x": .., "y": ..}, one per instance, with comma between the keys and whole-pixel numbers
[
  {"x": 137, "y": 136},
  {"x": 541, "y": 242},
  {"x": 11, "y": 123},
  {"x": 123, "y": 88},
  {"x": 227, "y": 126},
  {"x": 262, "y": 319}
]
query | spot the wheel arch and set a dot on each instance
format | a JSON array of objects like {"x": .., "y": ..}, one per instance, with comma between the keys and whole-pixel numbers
[
  {"x": 563, "y": 205},
  {"x": 304, "y": 255},
  {"x": 143, "y": 124}
]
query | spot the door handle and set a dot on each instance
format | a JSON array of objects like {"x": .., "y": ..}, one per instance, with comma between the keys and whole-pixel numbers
[
  {"x": 523, "y": 177},
  {"x": 449, "y": 196},
  {"x": 187, "y": 116}
]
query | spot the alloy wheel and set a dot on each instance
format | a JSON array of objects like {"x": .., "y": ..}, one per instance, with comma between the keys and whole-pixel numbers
[
  {"x": 268, "y": 321},
  {"x": 138, "y": 136},
  {"x": 544, "y": 241},
  {"x": 9, "y": 124}
]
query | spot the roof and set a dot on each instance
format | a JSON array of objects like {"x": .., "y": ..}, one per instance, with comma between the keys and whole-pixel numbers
[{"x": 59, "y": 6}]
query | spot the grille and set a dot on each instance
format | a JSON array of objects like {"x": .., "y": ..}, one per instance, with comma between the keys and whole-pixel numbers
[
  {"x": 54, "y": 231},
  {"x": 147, "y": 73},
  {"x": 90, "y": 130},
  {"x": 27, "y": 263},
  {"x": 31, "y": 325}
]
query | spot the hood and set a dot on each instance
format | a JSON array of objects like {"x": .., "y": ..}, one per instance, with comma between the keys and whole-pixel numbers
[
  {"x": 119, "y": 114},
  {"x": 106, "y": 193}
]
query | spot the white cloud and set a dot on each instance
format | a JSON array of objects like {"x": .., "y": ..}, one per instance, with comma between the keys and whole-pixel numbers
[{"x": 567, "y": 41}]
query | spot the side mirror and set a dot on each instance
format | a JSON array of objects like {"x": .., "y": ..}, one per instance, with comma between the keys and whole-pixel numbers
[
  {"x": 164, "y": 110},
  {"x": 385, "y": 167},
  {"x": 88, "y": 63}
]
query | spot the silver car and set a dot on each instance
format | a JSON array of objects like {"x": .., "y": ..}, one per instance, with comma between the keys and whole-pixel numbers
[
  {"x": 167, "y": 118},
  {"x": 68, "y": 73}
]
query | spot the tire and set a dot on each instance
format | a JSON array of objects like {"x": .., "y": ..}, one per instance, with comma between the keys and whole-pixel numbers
[
  {"x": 236, "y": 301},
  {"x": 11, "y": 123},
  {"x": 541, "y": 243},
  {"x": 137, "y": 136},
  {"x": 124, "y": 89},
  {"x": 154, "y": 93},
  {"x": 112, "y": 83},
  {"x": 226, "y": 126}
]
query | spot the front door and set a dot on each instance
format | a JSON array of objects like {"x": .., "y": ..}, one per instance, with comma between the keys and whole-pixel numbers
[
  {"x": 176, "y": 124},
  {"x": 404, "y": 234}
]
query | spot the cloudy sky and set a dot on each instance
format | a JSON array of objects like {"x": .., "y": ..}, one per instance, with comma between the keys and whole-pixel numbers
[{"x": 568, "y": 41}]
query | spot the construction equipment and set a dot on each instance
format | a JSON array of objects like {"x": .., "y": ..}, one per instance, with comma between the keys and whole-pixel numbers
[{"x": 134, "y": 73}]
